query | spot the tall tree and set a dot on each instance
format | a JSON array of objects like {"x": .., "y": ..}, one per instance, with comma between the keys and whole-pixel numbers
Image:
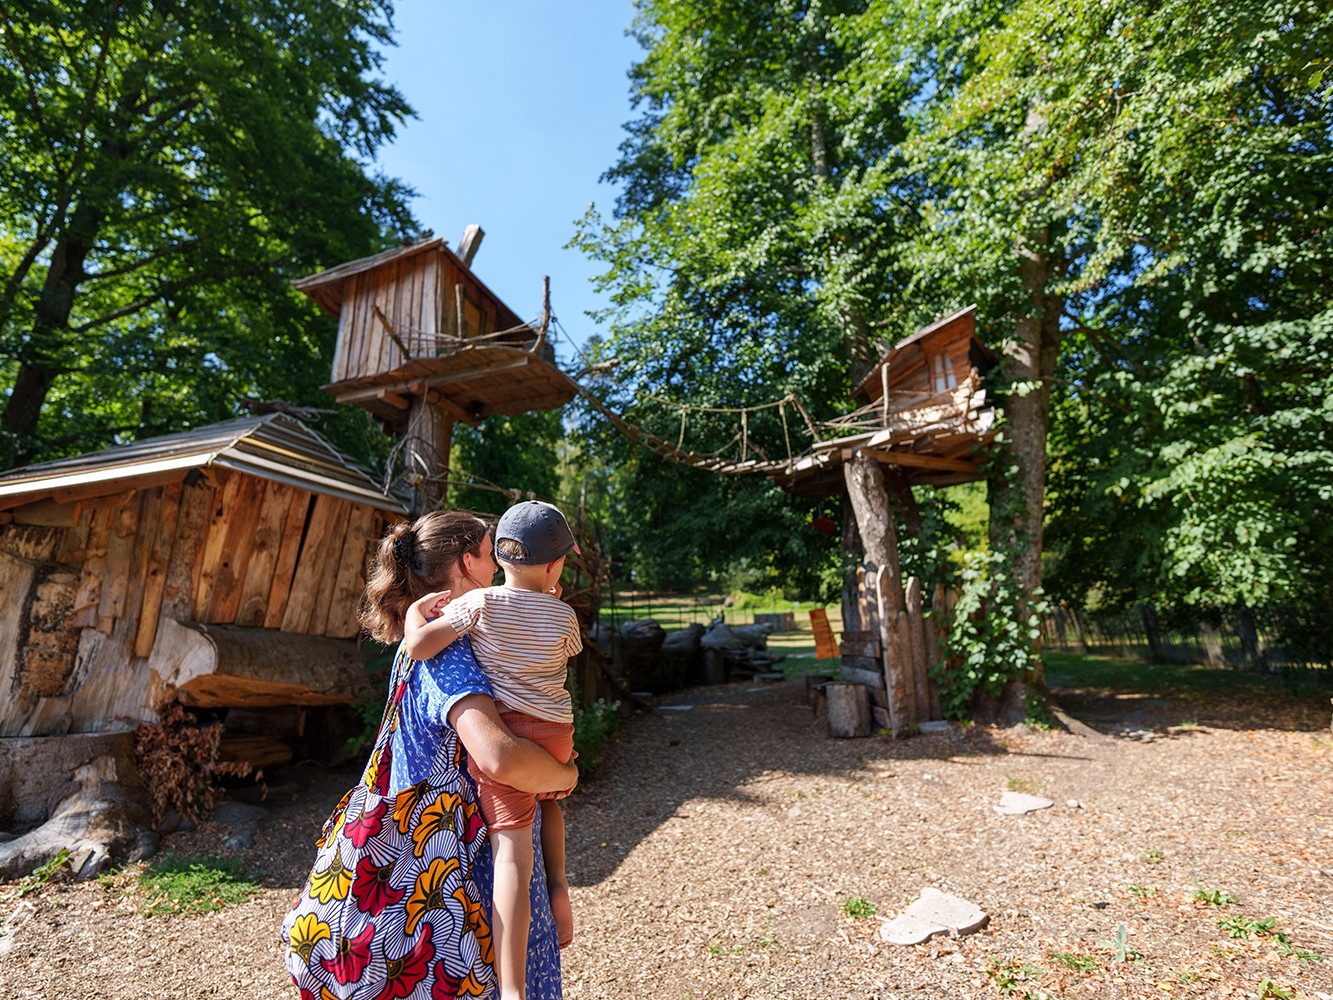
[
  {"x": 748, "y": 255},
  {"x": 169, "y": 167},
  {"x": 1195, "y": 411}
]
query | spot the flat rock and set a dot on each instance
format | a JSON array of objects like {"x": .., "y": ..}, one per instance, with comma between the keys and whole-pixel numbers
[
  {"x": 934, "y": 912},
  {"x": 1018, "y": 803},
  {"x": 937, "y": 727}
]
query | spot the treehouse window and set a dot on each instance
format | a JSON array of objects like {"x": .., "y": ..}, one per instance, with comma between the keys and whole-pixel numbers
[{"x": 941, "y": 372}]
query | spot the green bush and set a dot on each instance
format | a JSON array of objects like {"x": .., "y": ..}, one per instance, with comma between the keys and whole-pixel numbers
[{"x": 593, "y": 726}]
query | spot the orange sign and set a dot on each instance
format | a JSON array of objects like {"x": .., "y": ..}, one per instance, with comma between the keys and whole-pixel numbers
[{"x": 826, "y": 647}]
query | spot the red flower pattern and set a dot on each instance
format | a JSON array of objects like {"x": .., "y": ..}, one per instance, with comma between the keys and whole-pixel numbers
[
  {"x": 353, "y": 957},
  {"x": 372, "y": 889},
  {"x": 366, "y": 825},
  {"x": 408, "y": 970}
]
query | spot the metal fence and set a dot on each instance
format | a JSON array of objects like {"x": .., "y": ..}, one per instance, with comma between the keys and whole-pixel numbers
[{"x": 1281, "y": 638}]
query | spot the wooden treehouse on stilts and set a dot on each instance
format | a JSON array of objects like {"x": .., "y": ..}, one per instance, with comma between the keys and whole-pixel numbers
[
  {"x": 422, "y": 345},
  {"x": 924, "y": 420}
]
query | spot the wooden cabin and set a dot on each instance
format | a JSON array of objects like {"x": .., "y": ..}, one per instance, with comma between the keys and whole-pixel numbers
[{"x": 220, "y": 567}]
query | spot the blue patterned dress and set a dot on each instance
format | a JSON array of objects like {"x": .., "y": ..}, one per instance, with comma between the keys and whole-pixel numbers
[{"x": 435, "y": 687}]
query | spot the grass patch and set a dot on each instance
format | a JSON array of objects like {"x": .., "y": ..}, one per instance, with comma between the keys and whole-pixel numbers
[
  {"x": 1079, "y": 963},
  {"x": 41, "y": 875},
  {"x": 195, "y": 884},
  {"x": 859, "y": 909},
  {"x": 1073, "y": 670}
]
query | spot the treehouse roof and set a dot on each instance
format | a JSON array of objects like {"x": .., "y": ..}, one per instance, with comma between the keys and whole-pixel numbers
[{"x": 274, "y": 446}]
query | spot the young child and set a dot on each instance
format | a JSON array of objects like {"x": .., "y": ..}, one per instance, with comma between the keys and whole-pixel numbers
[{"x": 522, "y": 635}]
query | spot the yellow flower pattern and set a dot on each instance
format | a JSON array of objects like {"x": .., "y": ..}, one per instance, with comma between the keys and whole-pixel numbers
[
  {"x": 333, "y": 882},
  {"x": 306, "y": 932},
  {"x": 437, "y": 816},
  {"x": 476, "y": 924},
  {"x": 406, "y": 802}
]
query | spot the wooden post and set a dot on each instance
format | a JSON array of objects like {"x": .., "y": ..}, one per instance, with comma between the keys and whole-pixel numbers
[
  {"x": 848, "y": 708},
  {"x": 426, "y": 452},
  {"x": 920, "y": 664},
  {"x": 879, "y": 536}
]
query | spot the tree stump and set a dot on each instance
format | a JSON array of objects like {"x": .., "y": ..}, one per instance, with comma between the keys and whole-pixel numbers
[{"x": 848, "y": 710}]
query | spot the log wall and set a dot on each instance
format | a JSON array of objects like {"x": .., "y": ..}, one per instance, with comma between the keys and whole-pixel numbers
[{"x": 86, "y": 584}]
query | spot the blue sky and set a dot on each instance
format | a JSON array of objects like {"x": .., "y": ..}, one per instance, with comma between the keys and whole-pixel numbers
[{"x": 520, "y": 110}]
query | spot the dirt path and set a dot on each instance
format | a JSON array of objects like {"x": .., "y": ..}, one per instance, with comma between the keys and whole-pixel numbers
[{"x": 714, "y": 854}]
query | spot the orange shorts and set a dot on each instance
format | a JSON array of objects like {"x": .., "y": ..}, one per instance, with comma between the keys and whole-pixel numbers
[{"x": 506, "y": 808}]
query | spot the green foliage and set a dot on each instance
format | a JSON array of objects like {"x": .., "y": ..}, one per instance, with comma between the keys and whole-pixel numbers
[
  {"x": 195, "y": 884},
  {"x": 43, "y": 873},
  {"x": 1269, "y": 990},
  {"x": 991, "y": 638},
  {"x": 1011, "y": 978},
  {"x": 187, "y": 161},
  {"x": 1216, "y": 898},
  {"x": 518, "y": 453},
  {"x": 1079, "y": 963},
  {"x": 1120, "y": 947},
  {"x": 593, "y": 727},
  {"x": 1266, "y": 927},
  {"x": 859, "y": 909}
]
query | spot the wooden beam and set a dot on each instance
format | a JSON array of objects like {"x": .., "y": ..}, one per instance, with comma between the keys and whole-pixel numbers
[
  {"x": 915, "y": 461},
  {"x": 437, "y": 398}
]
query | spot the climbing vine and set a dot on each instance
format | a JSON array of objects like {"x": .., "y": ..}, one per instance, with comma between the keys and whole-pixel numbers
[{"x": 991, "y": 626}]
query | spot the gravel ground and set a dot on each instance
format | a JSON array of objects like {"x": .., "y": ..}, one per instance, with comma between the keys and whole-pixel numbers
[{"x": 714, "y": 854}]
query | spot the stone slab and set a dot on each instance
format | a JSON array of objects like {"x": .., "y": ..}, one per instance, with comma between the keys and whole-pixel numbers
[
  {"x": 1018, "y": 803},
  {"x": 934, "y": 912}
]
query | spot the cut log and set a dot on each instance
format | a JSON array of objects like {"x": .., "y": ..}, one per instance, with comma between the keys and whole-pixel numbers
[
  {"x": 257, "y": 751},
  {"x": 223, "y": 666},
  {"x": 87, "y": 797},
  {"x": 848, "y": 710}
]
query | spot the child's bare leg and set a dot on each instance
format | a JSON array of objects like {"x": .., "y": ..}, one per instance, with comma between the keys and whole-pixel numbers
[
  {"x": 557, "y": 884},
  {"x": 512, "y": 908}
]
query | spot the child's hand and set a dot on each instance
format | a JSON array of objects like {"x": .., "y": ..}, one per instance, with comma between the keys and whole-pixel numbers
[
  {"x": 432, "y": 605},
  {"x": 555, "y": 590}
]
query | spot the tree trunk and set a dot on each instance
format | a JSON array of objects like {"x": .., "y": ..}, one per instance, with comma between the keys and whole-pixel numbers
[
  {"x": 38, "y": 365},
  {"x": 19, "y": 421},
  {"x": 879, "y": 536}
]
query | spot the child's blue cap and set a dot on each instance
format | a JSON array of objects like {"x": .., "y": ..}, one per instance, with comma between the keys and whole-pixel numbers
[{"x": 540, "y": 528}]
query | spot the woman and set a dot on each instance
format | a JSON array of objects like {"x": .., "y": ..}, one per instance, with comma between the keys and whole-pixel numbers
[{"x": 409, "y": 924}]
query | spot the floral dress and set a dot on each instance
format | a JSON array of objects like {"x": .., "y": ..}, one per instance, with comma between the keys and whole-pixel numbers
[{"x": 416, "y": 927}]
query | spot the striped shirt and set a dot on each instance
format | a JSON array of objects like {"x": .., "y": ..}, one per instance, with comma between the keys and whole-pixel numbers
[{"x": 523, "y": 640}]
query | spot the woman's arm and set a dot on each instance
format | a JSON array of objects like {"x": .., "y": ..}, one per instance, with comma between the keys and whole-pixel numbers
[{"x": 515, "y": 762}]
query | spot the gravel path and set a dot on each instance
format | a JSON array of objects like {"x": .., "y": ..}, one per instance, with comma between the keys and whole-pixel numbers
[{"x": 715, "y": 852}]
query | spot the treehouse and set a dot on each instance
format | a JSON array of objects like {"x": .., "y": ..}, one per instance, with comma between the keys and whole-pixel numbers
[
  {"x": 423, "y": 343},
  {"x": 924, "y": 419},
  {"x": 923, "y": 415}
]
